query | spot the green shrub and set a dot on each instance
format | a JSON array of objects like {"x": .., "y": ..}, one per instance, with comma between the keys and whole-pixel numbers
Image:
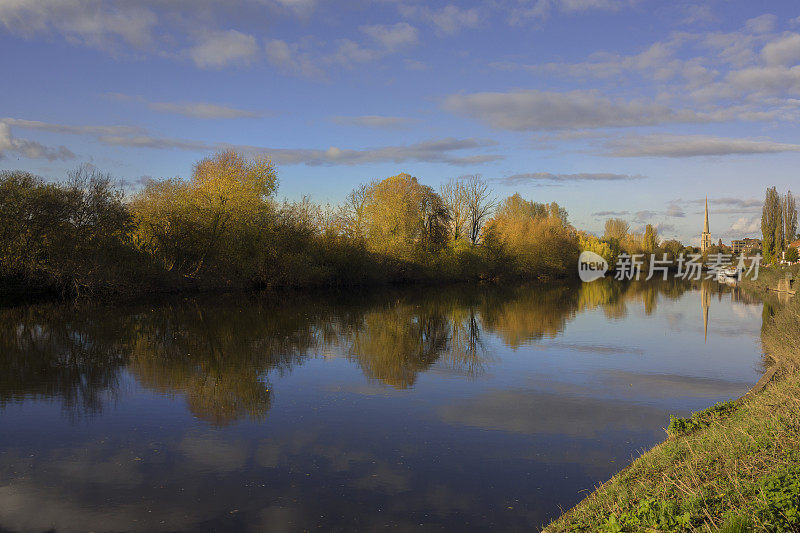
[
  {"x": 780, "y": 510},
  {"x": 649, "y": 514},
  {"x": 737, "y": 524},
  {"x": 700, "y": 419}
]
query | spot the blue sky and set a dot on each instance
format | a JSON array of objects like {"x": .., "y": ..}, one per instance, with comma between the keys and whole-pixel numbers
[{"x": 636, "y": 108}]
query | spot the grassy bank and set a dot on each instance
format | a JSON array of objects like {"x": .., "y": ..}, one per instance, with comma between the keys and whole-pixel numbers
[
  {"x": 769, "y": 276},
  {"x": 733, "y": 467}
]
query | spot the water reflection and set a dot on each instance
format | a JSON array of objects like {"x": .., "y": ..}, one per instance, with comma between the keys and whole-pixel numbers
[
  {"x": 219, "y": 354},
  {"x": 460, "y": 407},
  {"x": 54, "y": 351}
]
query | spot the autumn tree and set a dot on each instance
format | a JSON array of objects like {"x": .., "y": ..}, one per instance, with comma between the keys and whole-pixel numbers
[
  {"x": 650, "y": 239},
  {"x": 534, "y": 235},
  {"x": 404, "y": 217},
  {"x": 616, "y": 228},
  {"x": 190, "y": 224},
  {"x": 673, "y": 248}
]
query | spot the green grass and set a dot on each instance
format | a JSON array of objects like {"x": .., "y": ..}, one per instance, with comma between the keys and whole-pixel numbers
[
  {"x": 768, "y": 277},
  {"x": 701, "y": 419},
  {"x": 732, "y": 467}
]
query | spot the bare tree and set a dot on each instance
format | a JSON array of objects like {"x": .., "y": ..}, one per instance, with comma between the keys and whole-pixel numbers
[
  {"x": 480, "y": 204},
  {"x": 616, "y": 228},
  {"x": 354, "y": 215},
  {"x": 454, "y": 195}
]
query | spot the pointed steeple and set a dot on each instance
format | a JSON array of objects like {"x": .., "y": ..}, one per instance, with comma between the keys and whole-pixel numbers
[
  {"x": 705, "y": 227},
  {"x": 705, "y": 303}
]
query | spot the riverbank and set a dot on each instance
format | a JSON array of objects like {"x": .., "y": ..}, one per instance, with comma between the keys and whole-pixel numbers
[
  {"x": 769, "y": 276},
  {"x": 732, "y": 467}
]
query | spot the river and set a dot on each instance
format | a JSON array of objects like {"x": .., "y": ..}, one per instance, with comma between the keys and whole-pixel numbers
[{"x": 455, "y": 408}]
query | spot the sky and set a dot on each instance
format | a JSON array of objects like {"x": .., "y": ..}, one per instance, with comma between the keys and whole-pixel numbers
[{"x": 632, "y": 108}]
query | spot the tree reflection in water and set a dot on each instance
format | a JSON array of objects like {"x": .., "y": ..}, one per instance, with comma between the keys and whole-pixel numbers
[{"x": 218, "y": 353}]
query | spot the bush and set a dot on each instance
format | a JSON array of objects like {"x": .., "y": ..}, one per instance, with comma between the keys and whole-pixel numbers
[
  {"x": 700, "y": 419},
  {"x": 780, "y": 510},
  {"x": 650, "y": 514},
  {"x": 73, "y": 237}
]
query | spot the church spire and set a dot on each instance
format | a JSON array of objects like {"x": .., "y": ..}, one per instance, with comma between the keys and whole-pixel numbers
[{"x": 705, "y": 238}]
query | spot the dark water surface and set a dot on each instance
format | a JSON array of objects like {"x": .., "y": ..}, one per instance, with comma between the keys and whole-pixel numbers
[{"x": 431, "y": 408}]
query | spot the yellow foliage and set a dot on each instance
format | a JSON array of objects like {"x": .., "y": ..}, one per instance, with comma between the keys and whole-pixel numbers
[
  {"x": 590, "y": 243},
  {"x": 186, "y": 223},
  {"x": 230, "y": 183},
  {"x": 404, "y": 217},
  {"x": 535, "y": 235}
]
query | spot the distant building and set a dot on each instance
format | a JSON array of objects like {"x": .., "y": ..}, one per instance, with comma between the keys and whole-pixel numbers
[
  {"x": 795, "y": 245},
  {"x": 705, "y": 238},
  {"x": 745, "y": 246}
]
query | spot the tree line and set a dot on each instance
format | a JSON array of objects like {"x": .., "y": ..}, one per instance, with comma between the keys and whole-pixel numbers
[
  {"x": 778, "y": 224},
  {"x": 619, "y": 238},
  {"x": 224, "y": 227}
]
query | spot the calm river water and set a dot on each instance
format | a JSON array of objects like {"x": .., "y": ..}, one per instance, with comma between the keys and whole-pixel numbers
[{"x": 450, "y": 408}]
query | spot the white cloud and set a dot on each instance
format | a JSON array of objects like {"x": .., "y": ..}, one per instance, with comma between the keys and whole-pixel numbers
[
  {"x": 147, "y": 141},
  {"x": 675, "y": 211},
  {"x": 70, "y": 129},
  {"x": 298, "y": 60},
  {"x": 610, "y": 213},
  {"x": 373, "y": 121},
  {"x": 746, "y": 225},
  {"x": 664, "y": 145},
  {"x": 302, "y": 7},
  {"x": 222, "y": 48},
  {"x": 309, "y": 60},
  {"x": 102, "y": 25},
  {"x": 542, "y": 110},
  {"x": 761, "y": 24},
  {"x": 771, "y": 79},
  {"x": 288, "y": 57},
  {"x": 433, "y": 151},
  {"x": 734, "y": 202},
  {"x": 29, "y": 149},
  {"x": 156, "y": 27},
  {"x": 392, "y": 37},
  {"x": 448, "y": 20},
  {"x": 728, "y": 205},
  {"x": 784, "y": 51},
  {"x": 451, "y": 19},
  {"x": 698, "y": 14},
  {"x": 349, "y": 52},
  {"x": 644, "y": 215},
  {"x": 540, "y": 177},
  {"x": 201, "y": 110},
  {"x": 657, "y": 61},
  {"x": 586, "y": 5},
  {"x": 539, "y": 9}
]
